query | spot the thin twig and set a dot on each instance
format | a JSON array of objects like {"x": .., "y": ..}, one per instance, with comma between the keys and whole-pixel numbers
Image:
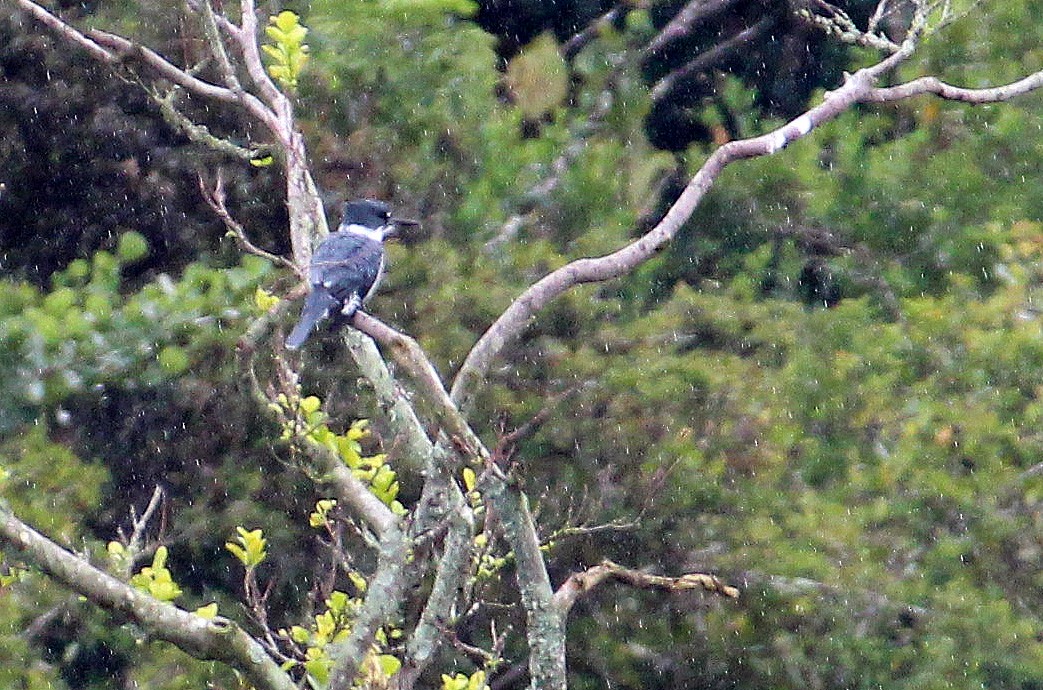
[
  {"x": 140, "y": 524},
  {"x": 215, "y": 199}
]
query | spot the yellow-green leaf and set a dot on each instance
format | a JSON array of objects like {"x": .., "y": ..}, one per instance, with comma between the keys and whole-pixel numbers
[
  {"x": 208, "y": 612},
  {"x": 389, "y": 664}
]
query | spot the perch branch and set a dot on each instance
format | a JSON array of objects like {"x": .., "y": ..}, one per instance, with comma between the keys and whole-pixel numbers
[{"x": 434, "y": 398}]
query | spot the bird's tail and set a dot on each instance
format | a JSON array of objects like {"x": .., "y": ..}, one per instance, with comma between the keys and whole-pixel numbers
[{"x": 316, "y": 308}]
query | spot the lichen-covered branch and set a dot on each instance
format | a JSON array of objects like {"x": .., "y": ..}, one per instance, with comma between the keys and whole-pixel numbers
[
  {"x": 450, "y": 576},
  {"x": 416, "y": 449},
  {"x": 544, "y": 627},
  {"x": 434, "y": 399},
  {"x": 384, "y": 597},
  {"x": 197, "y": 133},
  {"x": 217, "y": 639}
]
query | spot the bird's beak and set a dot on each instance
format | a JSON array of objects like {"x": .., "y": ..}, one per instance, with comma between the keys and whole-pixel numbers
[{"x": 396, "y": 224}]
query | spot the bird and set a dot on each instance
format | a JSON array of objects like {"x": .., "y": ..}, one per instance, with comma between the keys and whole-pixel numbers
[{"x": 347, "y": 267}]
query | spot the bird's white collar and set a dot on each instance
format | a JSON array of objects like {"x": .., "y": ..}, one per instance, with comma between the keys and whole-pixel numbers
[{"x": 375, "y": 234}]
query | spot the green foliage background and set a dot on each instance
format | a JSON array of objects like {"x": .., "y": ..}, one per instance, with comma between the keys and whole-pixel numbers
[{"x": 867, "y": 473}]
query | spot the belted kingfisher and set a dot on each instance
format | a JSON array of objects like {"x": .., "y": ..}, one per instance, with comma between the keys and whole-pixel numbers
[{"x": 346, "y": 268}]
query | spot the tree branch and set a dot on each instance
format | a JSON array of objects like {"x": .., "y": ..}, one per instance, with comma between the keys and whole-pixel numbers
[
  {"x": 217, "y": 47},
  {"x": 215, "y": 199},
  {"x": 454, "y": 567},
  {"x": 384, "y": 596},
  {"x": 544, "y": 627},
  {"x": 665, "y": 86},
  {"x": 418, "y": 450},
  {"x": 255, "y": 66},
  {"x": 218, "y": 639},
  {"x": 858, "y": 88},
  {"x": 580, "y": 584},
  {"x": 572, "y": 47},
  {"x": 686, "y": 21},
  {"x": 68, "y": 32},
  {"x": 935, "y": 86},
  {"x": 433, "y": 397}
]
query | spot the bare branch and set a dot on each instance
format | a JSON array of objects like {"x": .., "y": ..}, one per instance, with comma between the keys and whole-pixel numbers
[
  {"x": 517, "y": 316},
  {"x": 217, "y": 639},
  {"x": 110, "y": 49},
  {"x": 878, "y": 15},
  {"x": 935, "y": 86},
  {"x": 248, "y": 46},
  {"x": 572, "y": 47},
  {"x": 164, "y": 67},
  {"x": 509, "y": 441},
  {"x": 707, "y": 59},
  {"x": 579, "y": 584},
  {"x": 137, "y": 533},
  {"x": 68, "y": 32},
  {"x": 217, "y": 47},
  {"x": 687, "y": 20}
]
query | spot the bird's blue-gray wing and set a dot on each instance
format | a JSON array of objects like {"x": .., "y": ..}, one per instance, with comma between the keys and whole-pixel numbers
[
  {"x": 346, "y": 265},
  {"x": 343, "y": 271}
]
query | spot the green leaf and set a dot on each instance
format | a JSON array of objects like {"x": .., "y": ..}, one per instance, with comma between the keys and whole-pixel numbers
[
  {"x": 389, "y": 664},
  {"x": 132, "y": 246},
  {"x": 310, "y": 404},
  {"x": 357, "y": 580},
  {"x": 173, "y": 359},
  {"x": 250, "y": 549},
  {"x": 265, "y": 300}
]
